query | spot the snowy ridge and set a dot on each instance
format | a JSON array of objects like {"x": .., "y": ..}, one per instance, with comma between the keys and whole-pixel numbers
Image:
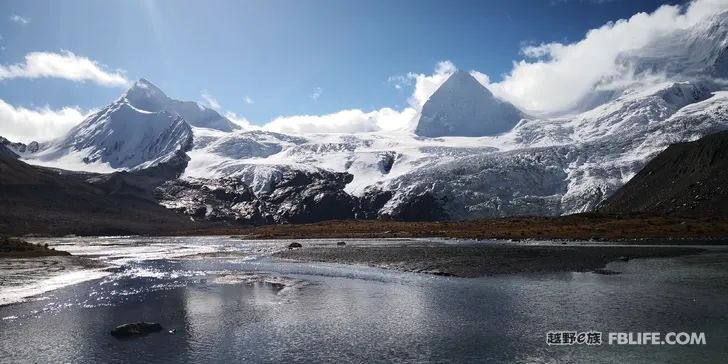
[
  {"x": 146, "y": 96},
  {"x": 505, "y": 164},
  {"x": 541, "y": 167}
]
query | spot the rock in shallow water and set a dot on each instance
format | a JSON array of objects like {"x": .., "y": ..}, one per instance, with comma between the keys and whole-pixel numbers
[{"x": 135, "y": 329}]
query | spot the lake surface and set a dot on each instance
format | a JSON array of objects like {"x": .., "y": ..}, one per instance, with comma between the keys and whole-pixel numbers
[{"x": 230, "y": 301}]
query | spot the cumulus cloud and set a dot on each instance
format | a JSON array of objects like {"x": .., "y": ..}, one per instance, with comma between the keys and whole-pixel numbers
[
  {"x": 25, "y": 125},
  {"x": 481, "y": 77},
  {"x": 345, "y": 121},
  {"x": 19, "y": 19},
  {"x": 65, "y": 65},
  {"x": 556, "y": 76},
  {"x": 384, "y": 119},
  {"x": 241, "y": 121},
  {"x": 426, "y": 85}
]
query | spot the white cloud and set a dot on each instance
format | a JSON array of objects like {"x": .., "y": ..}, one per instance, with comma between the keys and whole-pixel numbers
[
  {"x": 25, "y": 125},
  {"x": 243, "y": 122},
  {"x": 248, "y": 100},
  {"x": 345, "y": 121},
  {"x": 65, "y": 65},
  {"x": 556, "y": 76},
  {"x": 481, "y": 77},
  {"x": 359, "y": 121},
  {"x": 316, "y": 93},
  {"x": 209, "y": 100},
  {"x": 19, "y": 19},
  {"x": 426, "y": 85}
]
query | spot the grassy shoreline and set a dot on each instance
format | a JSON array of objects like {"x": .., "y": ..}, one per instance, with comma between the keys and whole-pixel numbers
[
  {"x": 624, "y": 228},
  {"x": 641, "y": 229},
  {"x": 16, "y": 248}
]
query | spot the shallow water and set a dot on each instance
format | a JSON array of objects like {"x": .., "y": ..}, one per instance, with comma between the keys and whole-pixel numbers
[{"x": 229, "y": 301}]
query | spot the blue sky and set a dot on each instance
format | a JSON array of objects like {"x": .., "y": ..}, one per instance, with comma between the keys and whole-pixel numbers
[{"x": 279, "y": 54}]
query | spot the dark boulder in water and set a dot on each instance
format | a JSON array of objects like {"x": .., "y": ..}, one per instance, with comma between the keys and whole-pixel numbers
[
  {"x": 135, "y": 329},
  {"x": 341, "y": 243},
  {"x": 294, "y": 245}
]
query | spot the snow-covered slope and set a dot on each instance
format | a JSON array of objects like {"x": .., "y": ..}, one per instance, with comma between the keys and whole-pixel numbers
[
  {"x": 541, "y": 167},
  {"x": 119, "y": 136},
  {"x": 142, "y": 128},
  {"x": 500, "y": 164},
  {"x": 701, "y": 50},
  {"x": 146, "y": 96},
  {"x": 130, "y": 133},
  {"x": 464, "y": 107}
]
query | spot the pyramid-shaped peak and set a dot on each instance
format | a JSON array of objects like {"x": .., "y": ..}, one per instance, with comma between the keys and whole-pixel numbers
[
  {"x": 464, "y": 80},
  {"x": 462, "y": 106},
  {"x": 461, "y": 74}
]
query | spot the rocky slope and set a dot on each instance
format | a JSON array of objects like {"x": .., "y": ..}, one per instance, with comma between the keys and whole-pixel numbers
[
  {"x": 686, "y": 179},
  {"x": 41, "y": 200}
]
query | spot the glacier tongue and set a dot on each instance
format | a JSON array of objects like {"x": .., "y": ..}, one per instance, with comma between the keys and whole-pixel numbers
[{"x": 541, "y": 167}]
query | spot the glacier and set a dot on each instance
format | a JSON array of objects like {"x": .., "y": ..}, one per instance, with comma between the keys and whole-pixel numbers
[{"x": 472, "y": 156}]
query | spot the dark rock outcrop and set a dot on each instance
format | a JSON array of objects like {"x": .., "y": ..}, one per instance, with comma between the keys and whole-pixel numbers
[
  {"x": 18, "y": 147},
  {"x": 421, "y": 207},
  {"x": 143, "y": 182},
  {"x": 686, "y": 179},
  {"x": 371, "y": 202},
  {"x": 386, "y": 161},
  {"x": 300, "y": 197},
  {"x": 224, "y": 199}
]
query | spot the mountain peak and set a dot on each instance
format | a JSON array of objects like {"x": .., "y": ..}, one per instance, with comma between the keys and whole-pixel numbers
[
  {"x": 145, "y": 95},
  {"x": 462, "y": 106},
  {"x": 463, "y": 79}
]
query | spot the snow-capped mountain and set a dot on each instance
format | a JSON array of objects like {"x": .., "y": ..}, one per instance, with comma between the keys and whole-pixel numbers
[
  {"x": 463, "y": 107},
  {"x": 541, "y": 167},
  {"x": 119, "y": 136},
  {"x": 472, "y": 155},
  {"x": 146, "y": 96},
  {"x": 140, "y": 129}
]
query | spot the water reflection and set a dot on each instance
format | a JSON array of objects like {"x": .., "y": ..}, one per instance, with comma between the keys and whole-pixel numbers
[{"x": 264, "y": 310}]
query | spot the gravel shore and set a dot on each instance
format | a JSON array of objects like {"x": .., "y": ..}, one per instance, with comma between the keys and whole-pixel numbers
[{"x": 482, "y": 259}]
